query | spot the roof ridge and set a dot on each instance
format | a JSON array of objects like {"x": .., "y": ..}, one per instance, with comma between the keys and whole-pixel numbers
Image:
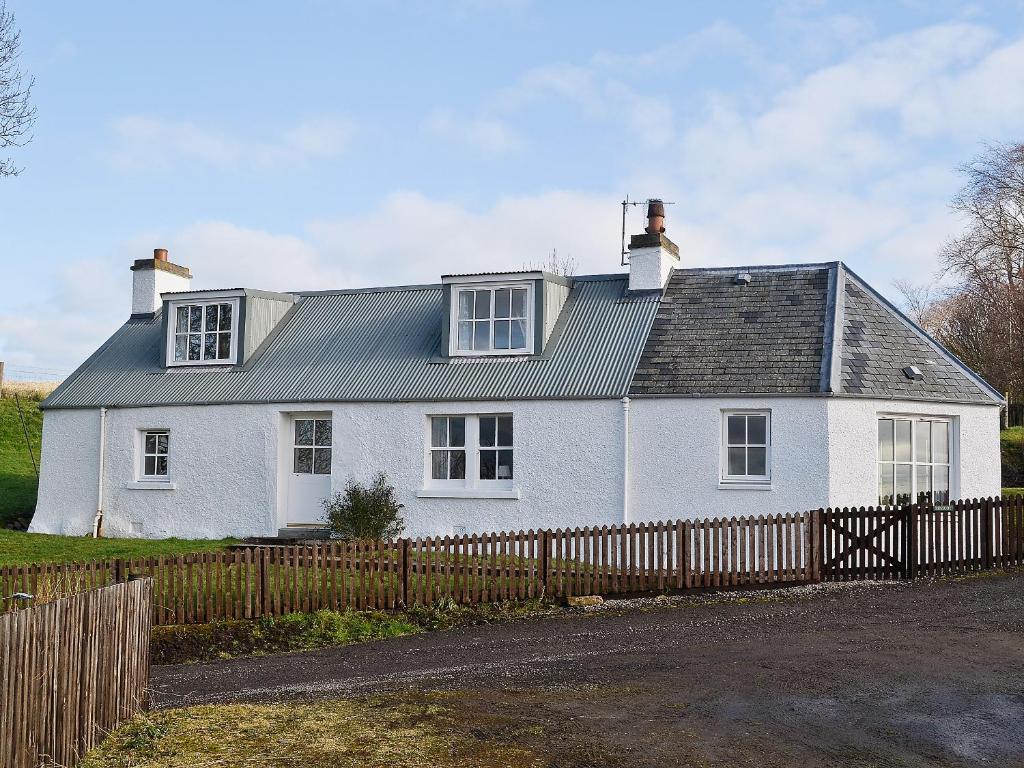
[
  {"x": 817, "y": 265},
  {"x": 610, "y": 276}
]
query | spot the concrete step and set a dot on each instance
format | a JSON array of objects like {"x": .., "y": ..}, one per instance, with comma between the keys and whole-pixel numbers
[{"x": 304, "y": 533}]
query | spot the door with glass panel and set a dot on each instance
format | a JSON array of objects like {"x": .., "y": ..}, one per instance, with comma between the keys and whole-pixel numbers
[{"x": 309, "y": 478}]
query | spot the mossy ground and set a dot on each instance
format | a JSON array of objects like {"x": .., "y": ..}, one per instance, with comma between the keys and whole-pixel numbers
[
  {"x": 187, "y": 643},
  {"x": 414, "y": 731}
]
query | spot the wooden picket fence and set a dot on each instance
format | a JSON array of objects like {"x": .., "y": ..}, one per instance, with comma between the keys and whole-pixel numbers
[
  {"x": 71, "y": 671},
  {"x": 253, "y": 581},
  {"x": 834, "y": 544},
  {"x": 921, "y": 540}
]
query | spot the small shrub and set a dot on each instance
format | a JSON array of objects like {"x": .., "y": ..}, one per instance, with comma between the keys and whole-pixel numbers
[
  {"x": 1011, "y": 448},
  {"x": 361, "y": 512}
]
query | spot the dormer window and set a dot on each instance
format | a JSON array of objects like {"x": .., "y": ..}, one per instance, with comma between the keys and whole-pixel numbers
[
  {"x": 202, "y": 332},
  {"x": 492, "y": 320}
]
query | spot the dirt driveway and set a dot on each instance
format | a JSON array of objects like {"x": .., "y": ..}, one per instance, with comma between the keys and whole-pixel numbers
[{"x": 861, "y": 675}]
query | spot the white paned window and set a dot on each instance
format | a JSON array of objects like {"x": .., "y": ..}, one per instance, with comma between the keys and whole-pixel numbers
[
  {"x": 448, "y": 448},
  {"x": 913, "y": 460},
  {"x": 746, "y": 446},
  {"x": 311, "y": 447},
  {"x": 202, "y": 333},
  {"x": 495, "y": 447},
  {"x": 492, "y": 320},
  {"x": 470, "y": 452},
  {"x": 155, "y": 445}
]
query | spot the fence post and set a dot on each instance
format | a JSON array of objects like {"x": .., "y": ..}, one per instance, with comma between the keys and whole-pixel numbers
[
  {"x": 685, "y": 554},
  {"x": 119, "y": 570},
  {"x": 817, "y": 551},
  {"x": 406, "y": 544},
  {"x": 545, "y": 560},
  {"x": 910, "y": 561},
  {"x": 986, "y": 534}
]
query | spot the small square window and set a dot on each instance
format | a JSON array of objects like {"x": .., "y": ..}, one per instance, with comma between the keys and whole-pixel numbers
[
  {"x": 155, "y": 452},
  {"x": 746, "y": 447}
]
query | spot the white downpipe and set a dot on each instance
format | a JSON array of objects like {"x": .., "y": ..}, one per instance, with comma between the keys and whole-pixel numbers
[
  {"x": 625, "y": 460},
  {"x": 98, "y": 521}
]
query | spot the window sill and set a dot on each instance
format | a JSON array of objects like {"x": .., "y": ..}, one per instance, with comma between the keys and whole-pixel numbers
[
  {"x": 468, "y": 493},
  {"x": 743, "y": 486},
  {"x": 151, "y": 485}
]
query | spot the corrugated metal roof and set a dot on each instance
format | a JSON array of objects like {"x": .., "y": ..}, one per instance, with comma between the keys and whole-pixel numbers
[{"x": 378, "y": 346}]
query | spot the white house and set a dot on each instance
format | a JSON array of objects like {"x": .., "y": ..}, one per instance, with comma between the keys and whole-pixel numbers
[{"x": 513, "y": 400}]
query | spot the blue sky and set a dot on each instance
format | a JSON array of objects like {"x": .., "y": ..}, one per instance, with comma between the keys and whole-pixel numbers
[{"x": 319, "y": 144}]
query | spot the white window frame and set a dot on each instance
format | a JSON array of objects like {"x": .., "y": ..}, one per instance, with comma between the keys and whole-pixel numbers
[
  {"x": 141, "y": 475},
  {"x": 952, "y": 450},
  {"x": 172, "y": 316},
  {"x": 314, "y": 446},
  {"x": 472, "y": 486},
  {"x": 432, "y": 482},
  {"x": 751, "y": 481},
  {"x": 453, "y": 319}
]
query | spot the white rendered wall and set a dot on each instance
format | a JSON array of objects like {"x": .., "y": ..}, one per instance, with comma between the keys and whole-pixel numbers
[
  {"x": 69, "y": 468},
  {"x": 226, "y": 475},
  {"x": 853, "y": 447},
  {"x": 675, "y": 451},
  {"x": 222, "y": 471},
  {"x": 568, "y": 463}
]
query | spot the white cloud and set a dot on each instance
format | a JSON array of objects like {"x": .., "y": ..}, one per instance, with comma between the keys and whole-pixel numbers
[
  {"x": 648, "y": 118},
  {"x": 412, "y": 238},
  {"x": 145, "y": 143},
  {"x": 833, "y": 165},
  {"x": 487, "y": 134}
]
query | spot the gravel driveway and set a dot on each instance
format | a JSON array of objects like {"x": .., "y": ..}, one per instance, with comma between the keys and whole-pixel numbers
[{"x": 881, "y": 674}]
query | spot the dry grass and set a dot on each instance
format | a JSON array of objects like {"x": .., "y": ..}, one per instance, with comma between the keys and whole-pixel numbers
[
  {"x": 50, "y": 589},
  {"x": 376, "y": 732},
  {"x": 28, "y": 390}
]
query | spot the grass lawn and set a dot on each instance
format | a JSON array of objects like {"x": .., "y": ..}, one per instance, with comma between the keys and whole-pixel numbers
[
  {"x": 17, "y": 478},
  {"x": 407, "y": 731},
  {"x": 17, "y": 547},
  {"x": 1013, "y": 491}
]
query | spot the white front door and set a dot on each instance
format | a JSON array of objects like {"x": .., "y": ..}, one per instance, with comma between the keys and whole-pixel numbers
[{"x": 309, "y": 481}]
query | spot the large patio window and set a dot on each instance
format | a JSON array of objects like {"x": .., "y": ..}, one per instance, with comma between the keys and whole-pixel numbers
[{"x": 913, "y": 460}]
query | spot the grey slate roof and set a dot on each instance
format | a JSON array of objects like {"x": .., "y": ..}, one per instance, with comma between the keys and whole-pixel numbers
[
  {"x": 800, "y": 329},
  {"x": 877, "y": 344},
  {"x": 714, "y": 336},
  {"x": 378, "y": 345}
]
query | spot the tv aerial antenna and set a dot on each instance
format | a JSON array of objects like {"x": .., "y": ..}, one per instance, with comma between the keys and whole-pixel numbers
[{"x": 624, "y": 254}]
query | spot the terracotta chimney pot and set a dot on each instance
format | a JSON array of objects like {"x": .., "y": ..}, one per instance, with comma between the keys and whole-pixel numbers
[{"x": 655, "y": 217}]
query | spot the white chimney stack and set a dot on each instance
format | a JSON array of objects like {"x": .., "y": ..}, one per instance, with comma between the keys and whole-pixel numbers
[
  {"x": 152, "y": 277},
  {"x": 652, "y": 256}
]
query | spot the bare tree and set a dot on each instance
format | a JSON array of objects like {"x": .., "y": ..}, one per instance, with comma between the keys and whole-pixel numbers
[
  {"x": 555, "y": 264},
  {"x": 979, "y": 316},
  {"x": 17, "y": 115}
]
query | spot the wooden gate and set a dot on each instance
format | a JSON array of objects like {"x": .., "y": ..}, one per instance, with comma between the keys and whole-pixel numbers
[{"x": 865, "y": 543}]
